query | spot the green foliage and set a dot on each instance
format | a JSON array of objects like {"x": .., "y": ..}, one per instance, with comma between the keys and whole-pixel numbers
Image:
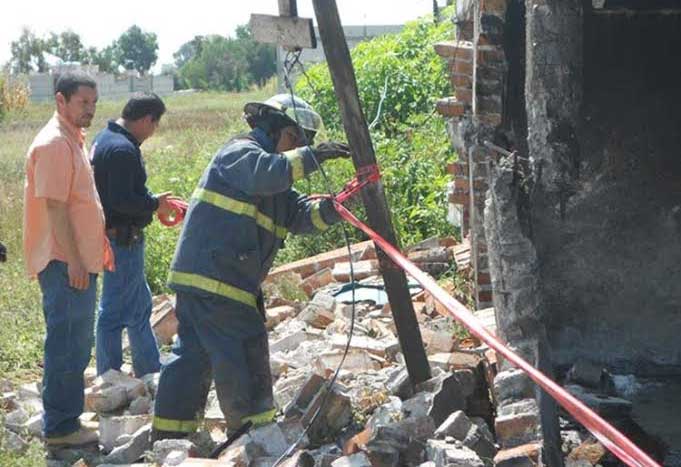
[
  {"x": 223, "y": 63},
  {"x": 410, "y": 142},
  {"x": 415, "y": 76},
  {"x": 66, "y": 46},
  {"x": 136, "y": 49}
]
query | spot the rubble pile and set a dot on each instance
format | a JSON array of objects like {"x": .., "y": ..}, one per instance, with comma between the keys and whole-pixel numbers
[{"x": 372, "y": 414}]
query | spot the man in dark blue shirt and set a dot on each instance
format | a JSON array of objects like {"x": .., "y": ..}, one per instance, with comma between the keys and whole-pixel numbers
[{"x": 129, "y": 206}]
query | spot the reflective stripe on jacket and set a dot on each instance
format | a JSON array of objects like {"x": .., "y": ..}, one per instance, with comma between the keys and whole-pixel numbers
[{"x": 239, "y": 216}]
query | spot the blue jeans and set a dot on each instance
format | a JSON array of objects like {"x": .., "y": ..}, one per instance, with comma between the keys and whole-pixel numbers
[
  {"x": 126, "y": 303},
  {"x": 69, "y": 319}
]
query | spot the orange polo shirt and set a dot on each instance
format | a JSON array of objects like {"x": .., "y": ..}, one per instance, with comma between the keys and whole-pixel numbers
[{"x": 57, "y": 168}]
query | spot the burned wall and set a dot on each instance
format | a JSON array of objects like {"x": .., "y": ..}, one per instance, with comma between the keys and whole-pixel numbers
[{"x": 607, "y": 214}]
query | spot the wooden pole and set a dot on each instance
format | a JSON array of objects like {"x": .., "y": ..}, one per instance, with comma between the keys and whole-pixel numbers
[{"x": 345, "y": 85}]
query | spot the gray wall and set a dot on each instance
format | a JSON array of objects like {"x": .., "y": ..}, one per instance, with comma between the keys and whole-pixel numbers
[{"x": 109, "y": 86}]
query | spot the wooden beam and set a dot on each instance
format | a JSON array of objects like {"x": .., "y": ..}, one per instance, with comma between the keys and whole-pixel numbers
[
  {"x": 354, "y": 121},
  {"x": 288, "y": 32}
]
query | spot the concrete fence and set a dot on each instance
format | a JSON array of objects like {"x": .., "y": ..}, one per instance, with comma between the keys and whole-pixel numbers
[{"x": 108, "y": 85}]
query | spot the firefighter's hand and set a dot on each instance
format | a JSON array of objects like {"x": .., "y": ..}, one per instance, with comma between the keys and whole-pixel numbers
[
  {"x": 331, "y": 150},
  {"x": 3, "y": 253}
]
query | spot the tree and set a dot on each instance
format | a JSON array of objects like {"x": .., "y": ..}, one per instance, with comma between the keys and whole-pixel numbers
[
  {"x": 188, "y": 51},
  {"x": 136, "y": 49},
  {"x": 66, "y": 46},
  {"x": 27, "y": 53},
  {"x": 261, "y": 57}
]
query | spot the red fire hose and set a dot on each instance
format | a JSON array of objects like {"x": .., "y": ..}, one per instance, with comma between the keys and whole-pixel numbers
[{"x": 177, "y": 216}]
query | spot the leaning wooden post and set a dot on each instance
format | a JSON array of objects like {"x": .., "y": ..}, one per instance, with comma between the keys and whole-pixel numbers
[{"x": 345, "y": 85}]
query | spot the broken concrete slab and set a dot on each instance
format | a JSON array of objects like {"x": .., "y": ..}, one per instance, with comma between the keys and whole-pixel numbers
[
  {"x": 105, "y": 400},
  {"x": 355, "y": 361},
  {"x": 288, "y": 342},
  {"x": 13, "y": 442},
  {"x": 382, "y": 348},
  {"x": 110, "y": 428},
  {"x": 162, "y": 448},
  {"x": 517, "y": 423},
  {"x": 452, "y": 454},
  {"x": 134, "y": 387},
  {"x": 461, "y": 428},
  {"x": 361, "y": 270},
  {"x": 133, "y": 450},
  {"x": 319, "y": 313}
]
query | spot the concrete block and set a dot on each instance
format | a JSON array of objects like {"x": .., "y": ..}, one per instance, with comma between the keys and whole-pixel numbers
[
  {"x": 134, "y": 387},
  {"x": 164, "y": 447},
  {"x": 110, "y": 428},
  {"x": 288, "y": 342},
  {"x": 133, "y": 450},
  {"x": 164, "y": 321},
  {"x": 357, "y": 361},
  {"x": 452, "y": 455}
]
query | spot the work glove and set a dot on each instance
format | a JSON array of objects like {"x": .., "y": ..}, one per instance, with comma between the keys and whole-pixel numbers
[{"x": 331, "y": 150}]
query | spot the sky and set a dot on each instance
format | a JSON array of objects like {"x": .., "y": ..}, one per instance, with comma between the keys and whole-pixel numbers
[{"x": 176, "y": 22}]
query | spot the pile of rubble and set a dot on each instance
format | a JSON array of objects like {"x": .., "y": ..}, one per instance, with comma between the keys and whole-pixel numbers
[{"x": 371, "y": 416}]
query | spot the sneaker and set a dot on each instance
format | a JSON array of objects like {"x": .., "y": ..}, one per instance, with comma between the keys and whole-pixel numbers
[{"x": 81, "y": 437}]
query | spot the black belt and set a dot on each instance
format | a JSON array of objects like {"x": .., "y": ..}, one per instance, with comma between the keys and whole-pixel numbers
[{"x": 126, "y": 235}]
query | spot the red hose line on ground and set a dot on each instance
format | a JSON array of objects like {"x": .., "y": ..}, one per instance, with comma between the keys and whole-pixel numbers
[
  {"x": 179, "y": 210},
  {"x": 608, "y": 435}
]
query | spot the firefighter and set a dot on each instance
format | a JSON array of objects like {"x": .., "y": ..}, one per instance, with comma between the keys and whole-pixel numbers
[{"x": 238, "y": 218}]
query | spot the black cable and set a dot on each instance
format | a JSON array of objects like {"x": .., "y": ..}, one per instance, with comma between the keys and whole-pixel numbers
[{"x": 346, "y": 237}]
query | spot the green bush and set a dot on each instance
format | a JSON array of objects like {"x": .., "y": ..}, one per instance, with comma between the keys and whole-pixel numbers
[{"x": 410, "y": 141}]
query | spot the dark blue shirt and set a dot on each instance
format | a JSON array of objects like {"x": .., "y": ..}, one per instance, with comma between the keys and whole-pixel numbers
[{"x": 121, "y": 178}]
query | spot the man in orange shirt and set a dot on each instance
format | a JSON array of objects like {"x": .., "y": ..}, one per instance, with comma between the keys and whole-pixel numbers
[{"x": 65, "y": 248}]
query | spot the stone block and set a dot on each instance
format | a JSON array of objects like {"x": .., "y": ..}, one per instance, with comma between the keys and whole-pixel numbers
[
  {"x": 586, "y": 373},
  {"x": 512, "y": 385},
  {"x": 399, "y": 384},
  {"x": 451, "y": 454},
  {"x": 471, "y": 435},
  {"x": 374, "y": 346},
  {"x": 140, "y": 406},
  {"x": 29, "y": 391},
  {"x": 132, "y": 450},
  {"x": 16, "y": 419},
  {"x": 164, "y": 447},
  {"x": 34, "y": 426},
  {"x": 606, "y": 406},
  {"x": 516, "y": 429},
  {"x": 355, "y": 361},
  {"x": 111, "y": 428},
  {"x": 13, "y": 442}
]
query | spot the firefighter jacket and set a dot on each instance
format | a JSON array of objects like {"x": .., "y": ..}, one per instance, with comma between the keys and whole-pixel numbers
[{"x": 239, "y": 216}]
